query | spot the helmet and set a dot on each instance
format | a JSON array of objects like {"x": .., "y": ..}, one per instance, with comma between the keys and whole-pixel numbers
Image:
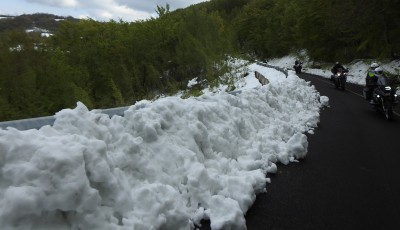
[
  {"x": 374, "y": 65},
  {"x": 378, "y": 71},
  {"x": 337, "y": 63}
]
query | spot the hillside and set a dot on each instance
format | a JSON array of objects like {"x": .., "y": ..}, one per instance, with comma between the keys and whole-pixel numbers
[
  {"x": 117, "y": 63},
  {"x": 24, "y": 22}
]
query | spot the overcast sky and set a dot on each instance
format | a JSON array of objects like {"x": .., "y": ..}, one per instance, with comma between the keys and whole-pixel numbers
[{"x": 101, "y": 10}]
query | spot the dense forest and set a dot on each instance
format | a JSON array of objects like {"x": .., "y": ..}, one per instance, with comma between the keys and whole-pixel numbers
[{"x": 116, "y": 63}]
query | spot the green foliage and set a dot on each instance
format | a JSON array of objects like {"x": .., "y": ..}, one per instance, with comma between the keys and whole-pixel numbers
[
  {"x": 161, "y": 11},
  {"x": 328, "y": 30},
  {"x": 192, "y": 93},
  {"x": 109, "y": 64}
]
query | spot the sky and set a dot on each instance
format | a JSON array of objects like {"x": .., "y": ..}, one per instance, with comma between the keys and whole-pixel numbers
[
  {"x": 167, "y": 163},
  {"x": 100, "y": 10}
]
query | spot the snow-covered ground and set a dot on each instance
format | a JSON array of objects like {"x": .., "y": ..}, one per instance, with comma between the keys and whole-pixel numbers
[
  {"x": 166, "y": 164},
  {"x": 357, "y": 69}
]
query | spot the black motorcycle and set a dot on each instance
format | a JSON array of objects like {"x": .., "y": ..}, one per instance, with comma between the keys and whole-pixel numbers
[
  {"x": 297, "y": 67},
  {"x": 384, "y": 97},
  {"x": 339, "y": 78}
]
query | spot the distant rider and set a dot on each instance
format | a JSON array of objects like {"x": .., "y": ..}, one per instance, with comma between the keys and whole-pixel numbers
[
  {"x": 297, "y": 66},
  {"x": 335, "y": 69}
]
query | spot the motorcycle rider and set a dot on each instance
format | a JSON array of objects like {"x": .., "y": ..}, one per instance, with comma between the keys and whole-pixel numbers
[
  {"x": 335, "y": 69},
  {"x": 371, "y": 73},
  {"x": 384, "y": 97},
  {"x": 297, "y": 66},
  {"x": 373, "y": 81},
  {"x": 370, "y": 80},
  {"x": 379, "y": 74}
]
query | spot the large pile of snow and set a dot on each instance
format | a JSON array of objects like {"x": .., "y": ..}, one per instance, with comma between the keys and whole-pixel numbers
[{"x": 166, "y": 164}]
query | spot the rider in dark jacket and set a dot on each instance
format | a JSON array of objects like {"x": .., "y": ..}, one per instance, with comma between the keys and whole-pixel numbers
[
  {"x": 297, "y": 66},
  {"x": 335, "y": 69}
]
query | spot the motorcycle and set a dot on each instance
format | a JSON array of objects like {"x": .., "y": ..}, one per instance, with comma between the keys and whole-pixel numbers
[
  {"x": 297, "y": 67},
  {"x": 339, "y": 79},
  {"x": 384, "y": 97}
]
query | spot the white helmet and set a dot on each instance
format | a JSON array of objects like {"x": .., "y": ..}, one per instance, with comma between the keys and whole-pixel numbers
[
  {"x": 374, "y": 65},
  {"x": 378, "y": 71}
]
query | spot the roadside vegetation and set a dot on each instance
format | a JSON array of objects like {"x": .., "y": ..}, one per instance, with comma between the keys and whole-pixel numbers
[{"x": 116, "y": 63}]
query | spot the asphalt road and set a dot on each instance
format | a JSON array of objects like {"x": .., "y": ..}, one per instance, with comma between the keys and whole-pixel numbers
[{"x": 350, "y": 178}]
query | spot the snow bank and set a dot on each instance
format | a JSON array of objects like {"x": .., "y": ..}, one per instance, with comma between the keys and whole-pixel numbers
[{"x": 166, "y": 164}]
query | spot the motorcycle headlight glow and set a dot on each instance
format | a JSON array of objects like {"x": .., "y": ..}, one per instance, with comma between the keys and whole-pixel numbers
[{"x": 388, "y": 88}]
